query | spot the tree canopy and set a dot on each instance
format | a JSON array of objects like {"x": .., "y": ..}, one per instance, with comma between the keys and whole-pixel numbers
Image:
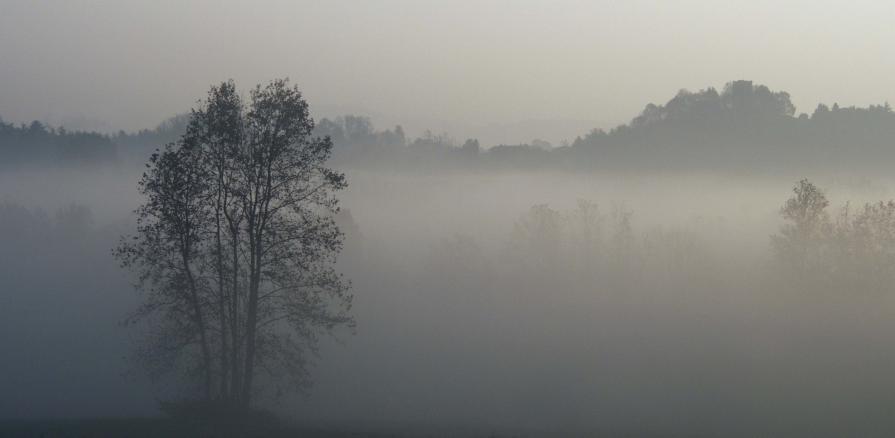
[{"x": 236, "y": 244}]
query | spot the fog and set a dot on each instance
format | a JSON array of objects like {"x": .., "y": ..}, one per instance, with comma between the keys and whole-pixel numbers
[
  {"x": 687, "y": 332},
  {"x": 562, "y": 218},
  {"x": 635, "y": 304}
]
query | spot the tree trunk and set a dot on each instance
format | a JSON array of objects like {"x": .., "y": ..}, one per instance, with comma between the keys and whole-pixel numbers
[
  {"x": 221, "y": 302},
  {"x": 237, "y": 342},
  {"x": 200, "y": 322},
  {"x": 252, "y": 313}
]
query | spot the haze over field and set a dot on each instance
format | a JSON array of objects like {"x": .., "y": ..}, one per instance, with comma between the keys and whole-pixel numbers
[
  {"x": 569, "y": 218},
  {"x": 472, "y": 319}
]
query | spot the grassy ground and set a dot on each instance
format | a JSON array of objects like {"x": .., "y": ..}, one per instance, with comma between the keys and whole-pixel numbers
[{"x": 161, "y": 427}]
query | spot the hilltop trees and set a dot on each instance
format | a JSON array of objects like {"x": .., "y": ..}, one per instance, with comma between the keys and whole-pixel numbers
[{"x": 236, "y": 242}]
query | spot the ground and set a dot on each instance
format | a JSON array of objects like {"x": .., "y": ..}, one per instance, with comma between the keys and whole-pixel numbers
[{"x": 161, "y": 427}]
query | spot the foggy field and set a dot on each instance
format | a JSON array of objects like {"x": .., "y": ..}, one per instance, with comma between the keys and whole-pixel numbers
[
  {"x": 467, "y": 320},
  {"x": 447, "y": 219}
]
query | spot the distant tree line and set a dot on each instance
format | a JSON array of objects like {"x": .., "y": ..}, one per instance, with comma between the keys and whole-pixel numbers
[
  {"x": 138, "y": 146},
  {"x": 743, "y": 127},
  {"x": 37, "y": 143}
]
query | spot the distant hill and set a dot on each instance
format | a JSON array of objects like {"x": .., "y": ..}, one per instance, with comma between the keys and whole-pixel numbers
[{"x": 744, "y": 128}]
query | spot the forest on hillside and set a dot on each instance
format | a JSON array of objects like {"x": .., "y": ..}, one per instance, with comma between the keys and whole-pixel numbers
[{"x": 745, "y": 128}]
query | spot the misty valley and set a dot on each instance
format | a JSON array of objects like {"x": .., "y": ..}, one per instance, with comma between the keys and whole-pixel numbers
[{"x": 719, "y": 266}]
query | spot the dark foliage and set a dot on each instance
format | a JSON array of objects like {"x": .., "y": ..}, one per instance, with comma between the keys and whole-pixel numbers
[
  {"x": 42, "y": 145},
  {"x": 235, "y": 246}
]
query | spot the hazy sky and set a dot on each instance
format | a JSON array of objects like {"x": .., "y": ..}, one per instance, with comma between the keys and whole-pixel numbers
[{"x": 443, "y": 64}]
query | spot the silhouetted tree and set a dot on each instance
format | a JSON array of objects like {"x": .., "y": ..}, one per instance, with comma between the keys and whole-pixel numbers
[
  {"x": 236, "y": 241},
  {"x": 167, "y": 250}
]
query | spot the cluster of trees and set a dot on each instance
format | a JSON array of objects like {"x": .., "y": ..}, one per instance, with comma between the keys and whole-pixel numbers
[
  {"x": 744, "y": 126},
  {"x": 588, "y": 246},
  {"x": 817, "y": 248},
  {"x": 358, "y": 143},
  {"x": 137, "y": 147},
  {"x": 235, "y": 245},
  {"x": 37, "y": 143},
  {"x": 356, "y": 136},
  {"x": 581, "y": 238},
  {"x": 739, "y": 98},
  {"x": 852, "y": 249}
]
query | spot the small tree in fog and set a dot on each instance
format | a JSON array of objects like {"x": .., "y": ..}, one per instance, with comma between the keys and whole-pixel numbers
[
  {"x": 807, "y": 226},
  {"x": 863, "y": 247},
  {"x": 585, "y": 226},
  {"x": 236, "y": 242},
  {"x": 537, "y": 237},
  {"x": 622, "y": 239}
]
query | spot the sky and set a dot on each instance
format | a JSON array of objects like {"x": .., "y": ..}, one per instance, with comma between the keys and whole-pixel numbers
[{"x": 464, "y": 67}]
